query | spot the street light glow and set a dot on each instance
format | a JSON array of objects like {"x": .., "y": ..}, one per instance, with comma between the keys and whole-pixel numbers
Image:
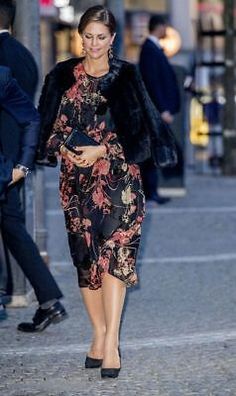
[{"x": 172, "y": 42}]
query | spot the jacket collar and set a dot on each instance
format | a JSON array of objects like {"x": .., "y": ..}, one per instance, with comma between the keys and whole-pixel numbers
[
  {"x": 154, "y": 40},
  {"x": 152, "y": 44},
  {"x": 63, "y": 72}
]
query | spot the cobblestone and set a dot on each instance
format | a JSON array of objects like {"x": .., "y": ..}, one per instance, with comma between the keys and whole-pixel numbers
[{"x": 178, "y": 335}]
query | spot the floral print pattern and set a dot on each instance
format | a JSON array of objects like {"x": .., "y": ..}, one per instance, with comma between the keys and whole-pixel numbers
[{"x": 104, "y": 204}]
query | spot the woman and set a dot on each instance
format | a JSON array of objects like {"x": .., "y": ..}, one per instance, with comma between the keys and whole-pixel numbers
[{"x": 100, "y": 186}]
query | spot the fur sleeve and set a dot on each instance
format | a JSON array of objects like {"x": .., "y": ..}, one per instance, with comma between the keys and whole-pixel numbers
[{"x": 48, "y": 105}]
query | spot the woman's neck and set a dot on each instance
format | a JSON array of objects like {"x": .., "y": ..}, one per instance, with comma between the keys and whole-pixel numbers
[{"x": 96, "y": 67}]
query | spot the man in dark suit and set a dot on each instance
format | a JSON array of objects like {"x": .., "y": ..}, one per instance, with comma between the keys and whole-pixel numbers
[
  {"x": 15, "y": 236},
  {"x": 161, "y": 84}
]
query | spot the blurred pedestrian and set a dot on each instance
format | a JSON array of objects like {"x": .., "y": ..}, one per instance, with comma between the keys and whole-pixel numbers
[
  {"x": 161, "y": 84},
  {"x": 13, "y": 54},
  {"x": 15, "y": 102},
  {"x": 23, "y": 67},
  {"x": 98, "y": 116}
]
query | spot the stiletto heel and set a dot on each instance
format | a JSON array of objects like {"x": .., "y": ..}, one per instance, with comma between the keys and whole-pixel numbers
[
  {"x": 111, "y": 372},
  {"x": 92, "y": 363}
]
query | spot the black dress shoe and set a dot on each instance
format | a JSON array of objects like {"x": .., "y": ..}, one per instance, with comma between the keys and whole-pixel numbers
[
  {"x": 43, "y": 318},
  {"x": 111, "y": 372},
  {"x": 92, "y": 363}
]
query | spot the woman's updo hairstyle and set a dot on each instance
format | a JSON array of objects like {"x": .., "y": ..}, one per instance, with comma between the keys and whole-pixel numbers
[{"x": 98, "y": 14}]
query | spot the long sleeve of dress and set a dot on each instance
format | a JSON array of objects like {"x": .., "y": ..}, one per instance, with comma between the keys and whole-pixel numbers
[
  {"x": 113, "y": 147},
  {"x": 59, "y": 133}
]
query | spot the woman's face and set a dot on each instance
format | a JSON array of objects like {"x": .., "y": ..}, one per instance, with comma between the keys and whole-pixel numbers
[{"x": 97, "y": 39}]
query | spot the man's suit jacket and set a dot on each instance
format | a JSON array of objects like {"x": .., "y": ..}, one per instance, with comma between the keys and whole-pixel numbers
[
  {"x": 21, "y": 62},
  {"x": 6, "y": 167},
  {"x": 24, "y": 69},
  {"x": 159, "y": 78},
  {"x": 16, "y": 103}
]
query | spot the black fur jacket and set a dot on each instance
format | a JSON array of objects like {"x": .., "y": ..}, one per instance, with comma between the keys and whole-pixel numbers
[{"x": 139, "y": 127}]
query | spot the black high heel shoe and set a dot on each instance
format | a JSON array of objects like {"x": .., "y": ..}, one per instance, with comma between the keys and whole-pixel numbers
[
  {"x": 111, "y": 372},
  {"x": 92, "y": 363}
]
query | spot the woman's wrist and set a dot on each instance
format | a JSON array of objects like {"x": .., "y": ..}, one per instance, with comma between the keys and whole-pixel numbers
[
  {"x": 103, "y": 149},
  {"x": 62, "y": 150}
]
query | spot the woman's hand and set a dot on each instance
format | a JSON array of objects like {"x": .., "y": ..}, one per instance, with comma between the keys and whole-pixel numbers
[{"x": 87, "y": 155}]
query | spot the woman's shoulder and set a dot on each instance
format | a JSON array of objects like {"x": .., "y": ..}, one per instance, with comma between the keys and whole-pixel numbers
[
  {"x": 124, "y": 64},
  {"x": 66, "y": 65},
  {"x": 125, "y": 69},
  {"x": 129, "y": 72},
  {"x": 62, "y": 74}
]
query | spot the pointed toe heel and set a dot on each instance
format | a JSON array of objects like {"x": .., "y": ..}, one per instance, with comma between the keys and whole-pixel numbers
[
  {"x": 110, "y": 372},
  {"x": 92, "y": 363}
]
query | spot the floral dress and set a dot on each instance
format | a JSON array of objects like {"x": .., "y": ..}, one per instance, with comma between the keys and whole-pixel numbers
[{"x": 103, "y": 204}]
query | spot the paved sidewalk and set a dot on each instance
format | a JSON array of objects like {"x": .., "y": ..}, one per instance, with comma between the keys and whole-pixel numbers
[{"x": 178, "y": 333}]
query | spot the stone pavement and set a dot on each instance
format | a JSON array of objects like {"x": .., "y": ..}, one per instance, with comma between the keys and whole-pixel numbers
[{"x": 178, "y": 335}]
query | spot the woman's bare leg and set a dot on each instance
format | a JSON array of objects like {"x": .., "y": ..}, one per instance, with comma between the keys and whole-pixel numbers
[
  {"x": 113, "y": 294},
  {"x": 94, "y": 304}
]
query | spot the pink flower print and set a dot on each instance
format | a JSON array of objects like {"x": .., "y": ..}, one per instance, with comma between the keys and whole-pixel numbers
[
  {"x": 69, "y": 165},
  {"x": 95, "y": 279},
  {"x": 63, "y": 118},
  {"x": 86, "y": 223},
  {"x": 98, "y": 198},
  {"x": 134, "y": 171},
  {"x": 72, "y": 92},
  {"x": 102, "y": 125},
  {"x": 104, "y": 263},
  {"x": 68, "y": 129},
  {"x": 109, "y": 136},
  {"x": 78, "y": 70},
  {"x": 64, "y": 200},
  {"x": 121, "y": 237},
  {"x": 101, "y": 167},
  {"x": 88, "y": 238},
  {"x": 96, "y": 131},
  {"x": 140, "y": 219}
]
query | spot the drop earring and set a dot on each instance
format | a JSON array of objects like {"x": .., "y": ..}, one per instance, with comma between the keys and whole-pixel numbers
[{"x": 83, "y": 52}]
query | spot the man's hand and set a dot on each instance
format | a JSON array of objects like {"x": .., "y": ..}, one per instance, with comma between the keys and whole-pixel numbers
[
  {"x": 17, "y": 175},
  {"x": 167, "y": 117}
]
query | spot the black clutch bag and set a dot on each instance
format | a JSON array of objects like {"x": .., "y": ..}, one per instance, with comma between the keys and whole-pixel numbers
[{"x": 78, "y": 138}]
